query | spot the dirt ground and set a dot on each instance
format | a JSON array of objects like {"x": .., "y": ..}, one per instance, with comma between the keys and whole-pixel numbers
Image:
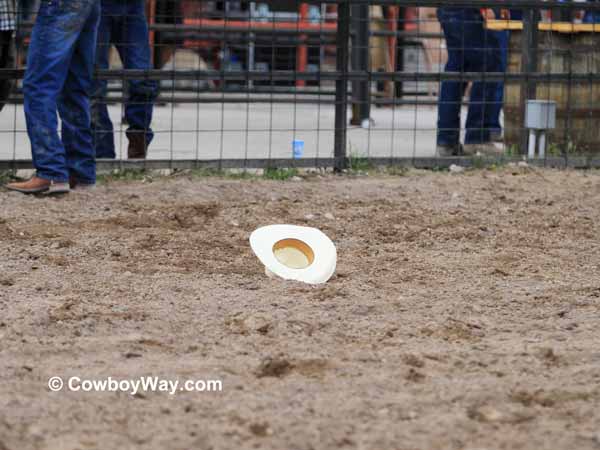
[{"x": 464, "y": 314}]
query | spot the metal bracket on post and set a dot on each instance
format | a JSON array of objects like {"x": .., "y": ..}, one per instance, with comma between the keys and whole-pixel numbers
[{"x": 341, "y": 86}]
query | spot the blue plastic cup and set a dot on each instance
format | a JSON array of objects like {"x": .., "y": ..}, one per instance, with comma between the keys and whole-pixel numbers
[{"x": 298, "y": 148}]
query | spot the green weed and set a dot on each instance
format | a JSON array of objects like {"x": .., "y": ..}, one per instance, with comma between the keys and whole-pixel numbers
[
  {"x": 273, "y": 173},
  {"x": 357, "y": 163}
]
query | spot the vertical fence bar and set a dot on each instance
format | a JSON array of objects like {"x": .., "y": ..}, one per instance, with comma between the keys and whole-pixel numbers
[
  {"x": 401, "y": 24},
  {"x": 341, "y": 86},
  {"x": 529, "y": 53},
  {"x": 361, "y": 107}
]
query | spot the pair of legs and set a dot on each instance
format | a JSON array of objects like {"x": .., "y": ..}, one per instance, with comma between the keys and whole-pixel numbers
[
  {"x": 124, "y": 25},
  {"x": 471, "y": 48},
  {"x": 60, "y": 69},
  {"x": 502, "y": 38}
]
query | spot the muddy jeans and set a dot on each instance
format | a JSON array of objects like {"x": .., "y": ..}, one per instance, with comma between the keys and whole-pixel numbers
[{"x": 60, "y": 68}]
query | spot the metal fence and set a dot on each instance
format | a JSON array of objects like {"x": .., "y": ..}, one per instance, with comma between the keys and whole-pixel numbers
[{"x": 314, "y": 84}]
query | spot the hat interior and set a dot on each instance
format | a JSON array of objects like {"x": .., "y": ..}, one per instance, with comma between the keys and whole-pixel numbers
[{"x": 294, "y": 253}]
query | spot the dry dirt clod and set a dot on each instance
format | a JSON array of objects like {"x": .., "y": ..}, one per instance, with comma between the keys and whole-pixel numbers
[
  {"x": 415, "y": 376},
  {"x": 549, "y": 356},
  {"x": 414, "y": 361},
  {"x": 5, "y": 281},
  {"x": 264, "y": 329},
  {"x": 274, "y": 367},
  {"x": 261, "y": 429}
]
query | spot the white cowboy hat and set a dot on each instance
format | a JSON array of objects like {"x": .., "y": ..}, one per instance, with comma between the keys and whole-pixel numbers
[{"x": 295, "y": 253}]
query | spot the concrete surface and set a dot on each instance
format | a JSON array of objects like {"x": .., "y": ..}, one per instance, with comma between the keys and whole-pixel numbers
[{"x": 212, "y": 131}]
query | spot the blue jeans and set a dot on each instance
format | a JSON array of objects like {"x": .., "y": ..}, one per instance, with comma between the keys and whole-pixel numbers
[
  {"x": 471, "y": 48},
  {"x": 502, "y": 38},
  {"x": 124, "y": 25},
  {"x": 60, "y": 69}
]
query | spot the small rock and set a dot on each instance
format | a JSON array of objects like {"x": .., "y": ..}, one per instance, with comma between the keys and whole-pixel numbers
[
  {"x": 309, "y": 217},
  {"x": 296, "y": 178},
  {"x": 522, "y": 164},
  {"x": 329, "y": 216},
  {"x": 456, "y": 169},
  {"x": 489, "y": 414},
  {"x": 163, "y": 172},
  {"x": 261, "y": 429},
  {"x": 485, "y": 414},
  {"x": 234, "y": 223}
]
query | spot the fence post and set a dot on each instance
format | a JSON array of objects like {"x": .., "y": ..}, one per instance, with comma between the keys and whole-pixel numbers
[
  {"x": 361, "y": 104},
  {"x": 529, "y": 53},
  {"x": 341, "y": 85}
]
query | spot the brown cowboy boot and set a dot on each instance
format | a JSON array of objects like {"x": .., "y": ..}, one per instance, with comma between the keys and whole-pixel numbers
[
  {"x": 37, "y": 185},
  {"x": 137, "y": 145}
]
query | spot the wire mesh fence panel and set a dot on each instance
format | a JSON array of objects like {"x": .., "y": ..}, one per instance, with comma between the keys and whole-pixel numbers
[{"x": 256, "y": 84}]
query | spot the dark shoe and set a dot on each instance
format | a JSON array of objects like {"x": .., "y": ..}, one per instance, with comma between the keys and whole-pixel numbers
[
  {"x": 137, "y": 146},
  {"x": 79, "y": 186},
  {"x": 448, "y": 150},
  {"x": 37, "y": 185}
]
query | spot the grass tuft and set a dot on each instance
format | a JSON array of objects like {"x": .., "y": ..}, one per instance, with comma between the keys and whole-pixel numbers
[
  {"x": 6, "y": 177},
  {"x": 357, "y": 163},
  {"x": 280, "y": 174},
  {"x": 125, "y": 175}
]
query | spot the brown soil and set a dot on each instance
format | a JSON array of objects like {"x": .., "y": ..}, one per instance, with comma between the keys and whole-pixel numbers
[{"x": 465, "y": 314}]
